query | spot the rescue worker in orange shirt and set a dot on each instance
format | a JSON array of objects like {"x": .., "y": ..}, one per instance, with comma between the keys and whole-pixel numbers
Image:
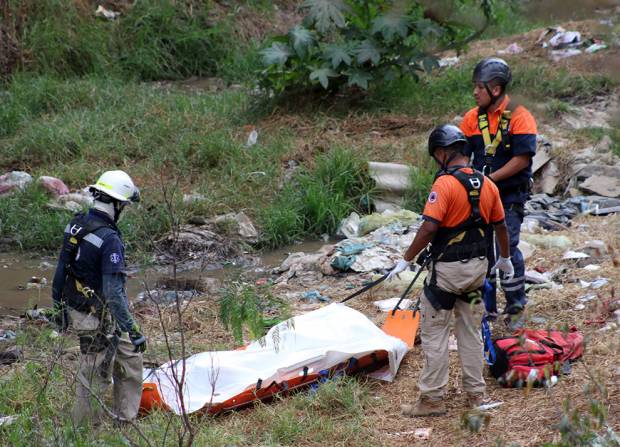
[
  {"x": 461, "y": 206},
  {"x": 502, "y": 141}
]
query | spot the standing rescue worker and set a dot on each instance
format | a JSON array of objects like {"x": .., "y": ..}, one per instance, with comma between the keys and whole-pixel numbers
[
  {"x": 89, "y": 287},
  {"x": 502, "y": 140},
  {"x": 461, "y": 206}
]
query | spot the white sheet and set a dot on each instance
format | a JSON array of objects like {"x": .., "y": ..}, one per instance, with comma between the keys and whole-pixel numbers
[{"x": 319, "y": 340}]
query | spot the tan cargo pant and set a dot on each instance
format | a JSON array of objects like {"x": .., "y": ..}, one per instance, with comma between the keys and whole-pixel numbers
[
  {"x": 454, "y": 277},
  {"x": 125, "y": 370}
]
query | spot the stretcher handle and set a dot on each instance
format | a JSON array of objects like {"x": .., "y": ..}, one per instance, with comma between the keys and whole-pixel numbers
[{"x": 366, "y": 287}]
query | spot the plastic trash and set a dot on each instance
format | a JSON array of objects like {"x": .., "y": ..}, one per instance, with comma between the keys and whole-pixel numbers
[
  {"x": 7, "y": 335},
  {"x": 349, "y": 227},
  {"x": 448, "y": 61},
  {"x": 377, "y": 220},
  {"x": 592, "y": 267},
  {"x": 388, "y": 304},
  {"x": 252, "y": 138},
  {"x": 53, "y": 185},
  {"x": 106, "y": 13},
  {"x": 14, "y": 180},
  {"x": 423, "y": 434},
  {"x": 342, "y": 263},
  {"x": 562, "y": 39},
  {"x": 570, "y": 254},
  {"x": 595, "y": 47},
  {"x": 513, "y": 48},
  {"x": 547, "y": 241},
  {"x": 489, "y": 406},
  {"x": 314, "y": 296}
]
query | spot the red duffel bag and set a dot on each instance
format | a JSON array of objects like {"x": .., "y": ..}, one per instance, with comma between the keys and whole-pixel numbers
[{"x": 534, "y": 355}]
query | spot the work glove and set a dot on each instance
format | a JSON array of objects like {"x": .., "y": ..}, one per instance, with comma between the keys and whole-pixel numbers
[
  {"x": 505, "y": 265},
  {"x": 401, "y": 266},
  {"x": 137, "y": 339}
]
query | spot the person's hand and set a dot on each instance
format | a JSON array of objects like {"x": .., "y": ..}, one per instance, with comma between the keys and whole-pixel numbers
[
  {"x": 400, "y": 267},
  {"x": 137, "y": 339},
  {"x": 505, "y": 265}
]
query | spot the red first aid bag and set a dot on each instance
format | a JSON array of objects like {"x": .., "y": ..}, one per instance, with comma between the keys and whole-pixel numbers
[{"x": 534, "y": 355}]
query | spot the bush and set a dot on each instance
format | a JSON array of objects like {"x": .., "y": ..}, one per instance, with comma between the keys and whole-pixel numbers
[{"x": 354, "y": 43}]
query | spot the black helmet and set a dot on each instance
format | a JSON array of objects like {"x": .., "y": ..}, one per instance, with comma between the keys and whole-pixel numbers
[
  {"x": 491, "y": 69},
  {"x": 444, "y": 136}
]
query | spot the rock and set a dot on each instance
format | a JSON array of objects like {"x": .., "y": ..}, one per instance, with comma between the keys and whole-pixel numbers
[
  {"x": 543, "y": 155},
  {"x": 550, "y": 177},
  {"x": 53, "y": 185},
  {"x": 14, "y": 180},
  {"x": 243, "y": 224},
  {"x": 602, "y": 185},
  {"x": 604, "y": 145},
  {"x": 11, "y": 355}
]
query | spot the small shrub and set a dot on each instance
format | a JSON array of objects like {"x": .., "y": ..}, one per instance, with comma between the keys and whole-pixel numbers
[
  {"x": 244, "y": 306},
  {"x": 357, "y": 43}
]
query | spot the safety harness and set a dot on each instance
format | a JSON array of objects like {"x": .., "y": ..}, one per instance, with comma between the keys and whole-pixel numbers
[
  {"x": 461, "y": 243},
  {"x": 77, "y": 294},
  {"x": 502, "y": 135}
]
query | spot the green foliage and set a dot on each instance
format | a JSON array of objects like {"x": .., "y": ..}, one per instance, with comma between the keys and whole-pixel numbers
[
  {"x": 244, "y": 306},
  {"x": 350, "y": 42},
  {"x": 318, "y": 199},
  {"x": 27, "y": 222}
]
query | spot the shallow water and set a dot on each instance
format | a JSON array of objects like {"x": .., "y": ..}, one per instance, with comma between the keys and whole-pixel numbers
[{"x": 17, "y": 269}]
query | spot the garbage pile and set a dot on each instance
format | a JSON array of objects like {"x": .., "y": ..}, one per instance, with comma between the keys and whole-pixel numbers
[
  {"x": 553, "y": 213},
  {"x": 565, "y": 43},
  {"x": 62, "y": 197},
  {"x": 373, "y": 243},
  {"x": 209, "y": 242}
]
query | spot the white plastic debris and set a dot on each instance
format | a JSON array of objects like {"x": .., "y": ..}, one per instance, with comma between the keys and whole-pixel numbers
[
  {"x": 423, "y": 433},
  {"x": 570, "y": 254},
  {"x": 489, "y": 406},
  {"x": 106, "y": 13},
  {"x": 388, "y": 304},
  {"x": 592, "y": 267},
  {"x": 448, "y": 61},
  {"x": 350, "y": 226},
  {"x": 586, "y": 298},
  {"x": 565, "y": 38},
  {"x": 252, "y": 138},
  {"x": 580, "y": 307},
  {"x": 595, "y": 47},
  {"x": 513, "y": 48},
  {"x": 7, "y": 420},
  {"x": 452, "y": 343}
]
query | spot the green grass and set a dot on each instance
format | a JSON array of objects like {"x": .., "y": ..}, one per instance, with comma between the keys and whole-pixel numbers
[
  {"x": 160, "y": 39},
  {"x": 318, "y": 199}
]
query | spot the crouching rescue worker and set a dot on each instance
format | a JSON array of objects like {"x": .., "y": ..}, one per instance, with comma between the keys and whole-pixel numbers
[
  {"x": 502, "y": 140},
  {"x": 461, "y": 205},
  {"x": 89, "y": 287}
]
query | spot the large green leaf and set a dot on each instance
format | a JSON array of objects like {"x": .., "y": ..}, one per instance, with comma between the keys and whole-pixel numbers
[
  {"x": 368, "y": 51},
  {"x": 337, "y": 54},
  {"x": 302, "y": 40},
  {"x": 359, "y": 78},
  {"x": 277, "y": 53},
  {"x": 326, "y": 14},
  {"x": 429, "y": 62},
  {"x": 322, "y": 75},
  {"x": 391, "y": 24}
]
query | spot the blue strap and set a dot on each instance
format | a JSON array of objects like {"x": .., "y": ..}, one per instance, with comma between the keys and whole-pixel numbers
[{"x": 489, "y": 349}]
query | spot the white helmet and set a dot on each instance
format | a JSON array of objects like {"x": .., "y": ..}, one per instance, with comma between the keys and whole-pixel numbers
[{"x": 118, "y": 185}]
